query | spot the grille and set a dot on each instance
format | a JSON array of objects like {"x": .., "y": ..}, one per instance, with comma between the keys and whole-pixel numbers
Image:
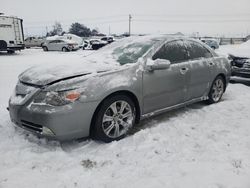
[{"x": 32, "y": 126}]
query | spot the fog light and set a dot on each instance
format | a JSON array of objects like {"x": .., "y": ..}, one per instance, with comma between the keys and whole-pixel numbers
[{"x": 47, "y": 131}]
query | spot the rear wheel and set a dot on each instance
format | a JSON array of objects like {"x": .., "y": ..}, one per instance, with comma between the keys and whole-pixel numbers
[
  {"x": 217, "y": 90},
  {"x": 10, "y": 51},
  {"x": 64, "y": 49},
  {"x": 45, "y": 48},
  {"x": 114, "y": 119}
]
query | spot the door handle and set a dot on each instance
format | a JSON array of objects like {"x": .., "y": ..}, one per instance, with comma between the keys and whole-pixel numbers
[{"x": 183, "y": 70}]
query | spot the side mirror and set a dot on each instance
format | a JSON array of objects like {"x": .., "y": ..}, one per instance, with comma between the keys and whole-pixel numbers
[{"x": 158, "y": 64}]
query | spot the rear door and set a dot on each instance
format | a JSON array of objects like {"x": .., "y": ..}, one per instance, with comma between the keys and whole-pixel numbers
[
  {"x": 60, "y": 44},
  {"x": 198, "y": 76},
  {"x": 52, "y": 45},
  {"x": 165, "y": 88}
]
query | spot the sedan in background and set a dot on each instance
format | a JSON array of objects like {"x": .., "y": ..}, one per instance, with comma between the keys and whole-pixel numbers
[
  {"x": 212, "y": 43},
  {"x": 97, "y": 43},
  {"x": 109, "y": 91},
  {"x": 60, "y": 45},
  {"x": 108, "y": 39}
]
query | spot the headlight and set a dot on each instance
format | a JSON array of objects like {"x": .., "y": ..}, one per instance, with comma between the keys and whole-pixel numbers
[{"x": 58, "y": 98}]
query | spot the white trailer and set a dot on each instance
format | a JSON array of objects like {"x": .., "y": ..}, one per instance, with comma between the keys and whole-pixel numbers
[{"x": 11, "y": 34}]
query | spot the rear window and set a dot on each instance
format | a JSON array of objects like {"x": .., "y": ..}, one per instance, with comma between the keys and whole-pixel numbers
[{"x": 197, "y": 51}]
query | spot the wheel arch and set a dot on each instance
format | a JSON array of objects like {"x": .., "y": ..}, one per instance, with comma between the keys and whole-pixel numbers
[{"x": 127, "y": 93}]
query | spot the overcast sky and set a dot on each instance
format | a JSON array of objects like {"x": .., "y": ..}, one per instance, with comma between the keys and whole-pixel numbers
[{"x": 228, "y": 17}]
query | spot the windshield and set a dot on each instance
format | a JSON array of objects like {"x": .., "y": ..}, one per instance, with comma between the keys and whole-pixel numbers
[
  {"x": 132, "y": 52},
  {"x": 125, "y": 51}
]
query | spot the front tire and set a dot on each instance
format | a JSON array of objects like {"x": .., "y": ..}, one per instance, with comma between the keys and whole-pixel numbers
[
  {"x": 114, "y": 119},
  {"x": 216, "y": 91}
]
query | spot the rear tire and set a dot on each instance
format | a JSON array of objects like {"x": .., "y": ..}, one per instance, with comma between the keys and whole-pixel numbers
[
  {"x": 10, "y": 51},
  {"x": 3, "y": 45},
  {"x": 216, "y": 91},
  {"x": 65, "y": 49},
  {"x": 45, "y": 48},
  {"x": 114, "y": 119}
]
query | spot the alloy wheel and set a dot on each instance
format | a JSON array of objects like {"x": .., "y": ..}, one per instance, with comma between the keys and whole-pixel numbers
[
  {"x": 117, "y": 119},
  {"x": 217, "y": 90}
]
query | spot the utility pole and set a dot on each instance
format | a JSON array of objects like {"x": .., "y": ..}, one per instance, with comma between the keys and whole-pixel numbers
[{"x": 129, "y": 24}]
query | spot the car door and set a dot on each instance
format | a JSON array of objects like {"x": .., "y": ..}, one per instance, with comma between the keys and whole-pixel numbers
[
  {"x": 51, "y": 45},
  {"x": 198, "y": 76},
  {"x": 165, "y": 88},
  {"x": 60, "y": 44}
]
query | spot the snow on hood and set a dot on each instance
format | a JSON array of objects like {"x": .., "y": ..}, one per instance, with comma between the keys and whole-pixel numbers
[{"x": 43, "y": 75}]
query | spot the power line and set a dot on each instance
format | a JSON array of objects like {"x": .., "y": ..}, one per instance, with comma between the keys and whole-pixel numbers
[
  {"x": 191, "y": 21},
  {"x": 92, "y": 23},
  {"x": 87, "y": 19},
  {"x": 192, "y": 15}
]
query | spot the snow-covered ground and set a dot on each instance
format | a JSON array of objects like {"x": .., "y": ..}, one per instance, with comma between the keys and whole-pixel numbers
[{"x": 199, "y": 146}]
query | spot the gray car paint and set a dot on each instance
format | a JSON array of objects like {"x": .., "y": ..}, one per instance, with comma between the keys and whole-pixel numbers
[
  {"x": 156, "y": 92},
  {"x": 57, "y": 45}
]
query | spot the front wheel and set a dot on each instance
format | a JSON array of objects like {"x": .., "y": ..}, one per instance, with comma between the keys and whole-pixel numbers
[
  {"x": 217, "y": 90},
  {"x": 116, "y": 116}
]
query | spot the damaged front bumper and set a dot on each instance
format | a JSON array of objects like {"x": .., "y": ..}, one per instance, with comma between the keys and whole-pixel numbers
[{"x": 241, "y": 72}]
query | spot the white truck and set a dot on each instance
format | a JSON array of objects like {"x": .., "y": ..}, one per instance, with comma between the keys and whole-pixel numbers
[{"x": 11, "y": 34}]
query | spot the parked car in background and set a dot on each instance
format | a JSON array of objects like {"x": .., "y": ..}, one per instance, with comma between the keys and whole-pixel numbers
[
  {"x": 108, "y": 39},
  {"x": 240, "y": 66},
  {"x": 33, "y": 42},
  {"x": 86, "y": 45},
  {"x": 60, "y": 45},
  {"x": 73, "y": 37},
  {"x": 107, "y": 92},
  {"x": 67, "y": 36},
  {"x": 97, "y": 43},
  {"x": 11, "y": 34},
  {"x": 212, "y": 43}
]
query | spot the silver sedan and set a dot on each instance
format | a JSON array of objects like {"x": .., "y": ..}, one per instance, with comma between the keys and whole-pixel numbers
[
  {"x": 111, "y": 90},
  {"x": 60, "y": 45}
]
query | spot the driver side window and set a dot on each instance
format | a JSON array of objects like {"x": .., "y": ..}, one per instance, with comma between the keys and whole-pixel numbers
[{"x": 173, "y": 51}]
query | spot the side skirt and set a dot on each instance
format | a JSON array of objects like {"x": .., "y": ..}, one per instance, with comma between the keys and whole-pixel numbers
[{"x": 160, "y": 111}]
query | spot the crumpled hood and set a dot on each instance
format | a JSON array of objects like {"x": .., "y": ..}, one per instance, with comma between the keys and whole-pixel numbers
[{"x": 46, "y": 75}]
